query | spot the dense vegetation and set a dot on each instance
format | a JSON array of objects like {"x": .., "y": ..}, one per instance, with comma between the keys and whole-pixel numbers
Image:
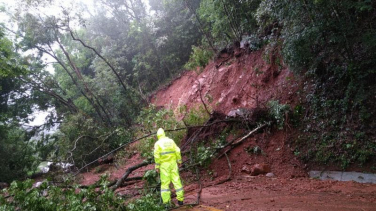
[{"x": 108, "y": 58}]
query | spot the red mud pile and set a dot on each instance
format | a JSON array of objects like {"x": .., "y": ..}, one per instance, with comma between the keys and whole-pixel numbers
[
  {"x": 227, "y": 84},
  {"x": 245, "y": 81}
]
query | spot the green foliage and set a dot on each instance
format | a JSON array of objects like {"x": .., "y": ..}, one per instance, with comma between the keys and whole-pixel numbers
[
  {"x": 49, "y": 197},
  {"x": 255, "y": 43},
  {"x": 82, "y": 140},
  {"x": 176, "y": 36},
  {"x": 332, "y": 43},
  {"x": 334, "y": 135},
  {"x": 325, "y": 149},
  {"x": 152, "y": 183},
  {"x": 10, "y": 66},
  {"x": 199, "y": 58},
  {"x": 16, "y": 153},
  {"x": 205, "y": 151},
  {"x": 12, "y": 103},
  {"x": 204, "y": 155},
  {"x": 195, "y": 116},
  {"x": 297, "y": 113},
  {"x": 278, "y": 112},
  {"x": 19, "y": 98},
  {"x": 324, "y": 38},
  {"x": 150, "y": 202},
  {"x": 151, "y": 119},
  {"x": 228, "y": 20},
  {"x": 146, "y": 50}
]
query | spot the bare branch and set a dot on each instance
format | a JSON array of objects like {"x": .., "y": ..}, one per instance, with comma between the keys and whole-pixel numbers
[
  {"x": 200, "y": 185},
  {"x": 242, "y": 139},
  {"x": 120, "y": 147},
  {"x": 128, "y": 172},
  {"x": 100, "y": 145},
  {"x": 75, "y": 145},
  {"x": 95, "y": 185},
  {"x": 230, "y": 171},
  {"x": 88, "y": 90},
  {"x": 206, "y": 108}
]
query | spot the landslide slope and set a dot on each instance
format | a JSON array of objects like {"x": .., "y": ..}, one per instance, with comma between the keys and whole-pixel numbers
[{"x": 247, "y": 80}]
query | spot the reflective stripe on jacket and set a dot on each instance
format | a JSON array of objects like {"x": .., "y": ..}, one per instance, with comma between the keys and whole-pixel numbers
[{"x": 165, "y": 150}]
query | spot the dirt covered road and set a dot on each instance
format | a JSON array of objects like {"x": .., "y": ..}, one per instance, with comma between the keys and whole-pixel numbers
[
  {"x": 260, "y": 193},
  {"x": 263, "y": 193},
  {"x": 286, "y": 191}
]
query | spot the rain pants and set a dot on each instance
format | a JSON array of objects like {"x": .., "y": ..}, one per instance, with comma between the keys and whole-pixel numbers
[{"x": 166, "y": 156}]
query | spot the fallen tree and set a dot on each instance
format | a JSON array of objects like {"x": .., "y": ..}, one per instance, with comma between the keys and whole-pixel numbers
[
  {"x": 212, "y": 127},
  {"x": 128, "y": 172}
]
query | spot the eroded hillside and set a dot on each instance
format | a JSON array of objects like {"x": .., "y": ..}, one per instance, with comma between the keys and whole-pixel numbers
[
  {"x": 249, "y": 81},
  {"x": 231, "y": 82}
]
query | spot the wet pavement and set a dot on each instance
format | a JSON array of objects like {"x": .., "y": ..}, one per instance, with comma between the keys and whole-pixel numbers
[{"x": 344, "y": 176}]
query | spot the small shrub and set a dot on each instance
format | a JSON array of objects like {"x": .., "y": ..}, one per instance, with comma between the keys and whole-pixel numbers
[
  {"x": 49, "y": 197},
  {"x": 255, "y": 43},
  {"x": 278, "y": 112},
  {"x": 199, "y": 58},
  {"x": 150, "y": 119},
  {"x": 256, "y": 150},
  {"x": 204, "y": 153},
  {"x": 150, "y": 202},
  {"x": 196, "y": 116},
  {"x": 151, "y": 178}
]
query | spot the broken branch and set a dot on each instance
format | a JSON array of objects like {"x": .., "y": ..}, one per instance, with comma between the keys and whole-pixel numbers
[
  {"x": 242, "y": 139},
  {"x": 128, "y": 172},
  {"x": 200, "y": 185},
  {"x": 202, "y": 100},
  {"x": 230, "y": 171}
]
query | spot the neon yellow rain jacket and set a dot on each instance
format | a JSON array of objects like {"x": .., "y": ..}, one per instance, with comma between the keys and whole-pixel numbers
[{"x": 166, "y": 156}]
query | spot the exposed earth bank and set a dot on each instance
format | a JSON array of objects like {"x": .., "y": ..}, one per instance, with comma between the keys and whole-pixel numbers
[{"x": 247, "y": 81}]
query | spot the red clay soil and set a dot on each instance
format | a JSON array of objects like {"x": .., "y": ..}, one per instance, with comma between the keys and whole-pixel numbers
[
  {"x": 247, "y": 82},
  {"x": 242, "y": 82}
]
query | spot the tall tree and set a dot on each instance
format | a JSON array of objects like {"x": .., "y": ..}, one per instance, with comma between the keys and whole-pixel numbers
[
  {"x": 228, "y": 20},
  {"x": 15, "y": 151}
]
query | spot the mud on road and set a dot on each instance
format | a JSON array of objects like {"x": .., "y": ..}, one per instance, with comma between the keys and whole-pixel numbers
[
  {"x": 263, "y": 193},
  {"x": 245, "y": 193}
]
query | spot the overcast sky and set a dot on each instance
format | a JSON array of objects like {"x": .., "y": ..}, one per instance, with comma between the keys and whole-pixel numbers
[{"x": 5, "y": 3}]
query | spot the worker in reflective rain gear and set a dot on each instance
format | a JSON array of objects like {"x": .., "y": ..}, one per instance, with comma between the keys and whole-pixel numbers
[{"x": 167, "y": 156}]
